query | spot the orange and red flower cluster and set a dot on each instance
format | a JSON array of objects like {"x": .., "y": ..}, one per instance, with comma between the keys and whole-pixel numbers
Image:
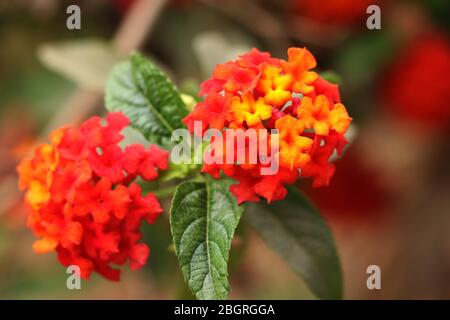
[
  {"x": 261, "y": 92},
  {"x": 84, "y": 202}
]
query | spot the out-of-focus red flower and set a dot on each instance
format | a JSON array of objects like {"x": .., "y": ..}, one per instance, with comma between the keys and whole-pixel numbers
[
  {"x": 84, "y": 203},
  {"x": 257, "y": 91},
  {"x": 334, "y": 12},
  {"x": 416, "y": 85},
  {"x": 356, "y": 193}
]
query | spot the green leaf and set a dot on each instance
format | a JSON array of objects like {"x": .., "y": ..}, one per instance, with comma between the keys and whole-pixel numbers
[
  {"x": 360, "y": 59},
  {"x": 203, "y": 218},
  {"x": 332, "y": 77},
  {"x": 296, "y": 231},
  {"x": 142, "y": 92}
]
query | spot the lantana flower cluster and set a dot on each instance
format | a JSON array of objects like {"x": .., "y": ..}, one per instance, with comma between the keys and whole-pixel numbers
[
  {"x": 261, "y": 92},
  {"x": 85, "y": 203}
]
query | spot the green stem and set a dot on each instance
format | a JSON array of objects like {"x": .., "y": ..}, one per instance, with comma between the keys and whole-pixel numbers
[
  {"x": 169, "y": 191},
  {"x": 165, "y": 192}
]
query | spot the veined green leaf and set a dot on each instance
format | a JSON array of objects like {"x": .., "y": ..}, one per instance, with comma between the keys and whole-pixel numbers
[
  {"x": 203, "y": 219},
  {"x": 143, "y": 93}
]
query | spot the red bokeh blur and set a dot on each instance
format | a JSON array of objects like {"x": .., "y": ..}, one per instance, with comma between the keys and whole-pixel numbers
[
  {"x": 334, "y": 12},
  {"x": 415, "y": 86},
  {"x": 355, "y": 194}
]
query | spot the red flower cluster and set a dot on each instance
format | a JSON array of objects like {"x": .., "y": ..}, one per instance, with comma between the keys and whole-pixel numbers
[
  {"x": 416, "y": 87},
  {"x": 260, "y": 92},
  {"x": 84, "y": 203}
]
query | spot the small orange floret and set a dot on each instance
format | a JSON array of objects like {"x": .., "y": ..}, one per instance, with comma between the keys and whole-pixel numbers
[
  {"x": 321, "y": 118},
  {"x": 248, "y": 110},
  {"x": 300, "y": 61},
  {"x": 275, "y": 86},
  {"x": 293, "y": 146},
  {"x": 36, "y": 174}
]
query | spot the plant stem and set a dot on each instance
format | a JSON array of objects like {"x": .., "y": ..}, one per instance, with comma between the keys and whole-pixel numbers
[{"x": 165, "y": 192}]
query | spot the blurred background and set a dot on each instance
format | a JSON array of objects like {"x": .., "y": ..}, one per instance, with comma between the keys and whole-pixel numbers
[{"x": 389, "y": 202}]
